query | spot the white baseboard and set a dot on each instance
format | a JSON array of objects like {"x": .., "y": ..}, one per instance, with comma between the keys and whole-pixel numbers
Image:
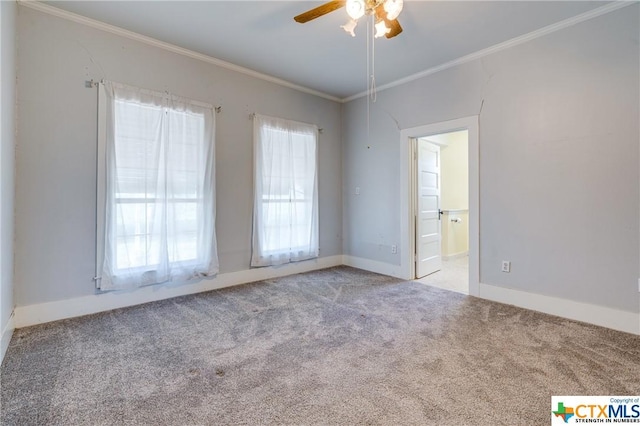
[
  {"x": 25, "y": 316},
  {"x": 373, "y": 266},
  {"x": 52, "y": 311},
  {"x": 584, "y": 312},
  {"x": 6, "y": 336}
]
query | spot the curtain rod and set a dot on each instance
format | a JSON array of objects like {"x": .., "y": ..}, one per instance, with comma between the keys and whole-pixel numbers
[
  {"x": 89, "y": 84},
  {"x": 253, "y": 114}
]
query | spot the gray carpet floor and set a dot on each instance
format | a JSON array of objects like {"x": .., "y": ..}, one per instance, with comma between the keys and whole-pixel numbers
[{"x": 337, "y": 346}]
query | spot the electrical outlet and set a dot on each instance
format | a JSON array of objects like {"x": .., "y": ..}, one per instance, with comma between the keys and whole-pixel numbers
[
  {"x": 506, "y": 266},
  {"x": 357, "y": 190},
  {"x": 394, "y": 249}
]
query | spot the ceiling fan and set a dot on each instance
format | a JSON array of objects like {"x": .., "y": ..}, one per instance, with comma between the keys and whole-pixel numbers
[{"x": 385, "y": 13}]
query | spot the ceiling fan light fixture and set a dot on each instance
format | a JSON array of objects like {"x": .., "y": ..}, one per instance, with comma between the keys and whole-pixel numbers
[
  {"x": 381, "y": 29},
  {"x": 350, "y": 26},
  {"x": 393, "y": 8},
  {"x": 356, "y": 8}
]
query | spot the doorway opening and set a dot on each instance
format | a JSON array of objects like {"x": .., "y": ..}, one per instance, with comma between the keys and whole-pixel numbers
[
  {"x": 441, "y": 204},
  {"x": 458, "y": 218}
]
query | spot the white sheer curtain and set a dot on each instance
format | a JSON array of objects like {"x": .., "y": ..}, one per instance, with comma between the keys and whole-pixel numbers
[
  {"x": 285, "y": 217},
  {"x": 160, "y": 188}
]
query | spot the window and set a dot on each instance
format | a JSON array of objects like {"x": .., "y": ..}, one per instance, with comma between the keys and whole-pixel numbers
[
  {"x": 157, "y": 180},
  {"x": 285, "y": 218}
]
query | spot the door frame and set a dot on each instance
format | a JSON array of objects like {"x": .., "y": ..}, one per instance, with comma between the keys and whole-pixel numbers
[{"x": 407, "y": 189}]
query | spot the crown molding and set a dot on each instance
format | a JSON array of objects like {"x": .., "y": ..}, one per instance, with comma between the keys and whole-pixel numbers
[
  {"x": 54, "y": 11},
  {"x": 45, "y": 8},
  {"x": 594, "y": 13}
]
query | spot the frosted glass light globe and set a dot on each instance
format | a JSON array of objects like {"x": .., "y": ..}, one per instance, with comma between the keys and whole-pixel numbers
[
  {"x": 381, "y": 29},
  {"x": 356, "y": 8},
  {"x": 350, "y": 26},
  {"x": 393, "y": 8}
]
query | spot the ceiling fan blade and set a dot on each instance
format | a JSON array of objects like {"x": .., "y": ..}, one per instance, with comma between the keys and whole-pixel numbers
[
  {"x": 395, "y": 28},
  {"x": 319, "y": 11}
]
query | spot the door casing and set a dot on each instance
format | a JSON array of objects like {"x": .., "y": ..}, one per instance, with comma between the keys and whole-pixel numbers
[{"x": 407, "y": 200}]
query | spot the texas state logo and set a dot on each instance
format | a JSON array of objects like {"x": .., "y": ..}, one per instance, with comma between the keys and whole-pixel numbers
[
  {"x": 565, "y": 413},
  {"x": 595, "y": 409}
]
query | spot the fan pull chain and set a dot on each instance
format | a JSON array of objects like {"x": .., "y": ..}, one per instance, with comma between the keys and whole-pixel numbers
[
  {"x": 368, "y": 83},
  {"x": 371, "y": 72},
  {"x": 372, "y": 87}
]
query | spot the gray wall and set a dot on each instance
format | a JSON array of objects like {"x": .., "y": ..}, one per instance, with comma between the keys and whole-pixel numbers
[
  {"x": 7, "y": 156},
  {"x": 559, "y": 168},
  {"x": 56, "y": 150},
  {"x": 559, "y": 156}
]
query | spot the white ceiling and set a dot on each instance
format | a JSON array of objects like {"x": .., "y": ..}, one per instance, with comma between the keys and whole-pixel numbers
[{"x": 262, "y": 35}]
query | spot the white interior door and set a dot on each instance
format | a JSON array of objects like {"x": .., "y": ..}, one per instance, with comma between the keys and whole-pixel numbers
[{"x": 428, "y": 233}]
